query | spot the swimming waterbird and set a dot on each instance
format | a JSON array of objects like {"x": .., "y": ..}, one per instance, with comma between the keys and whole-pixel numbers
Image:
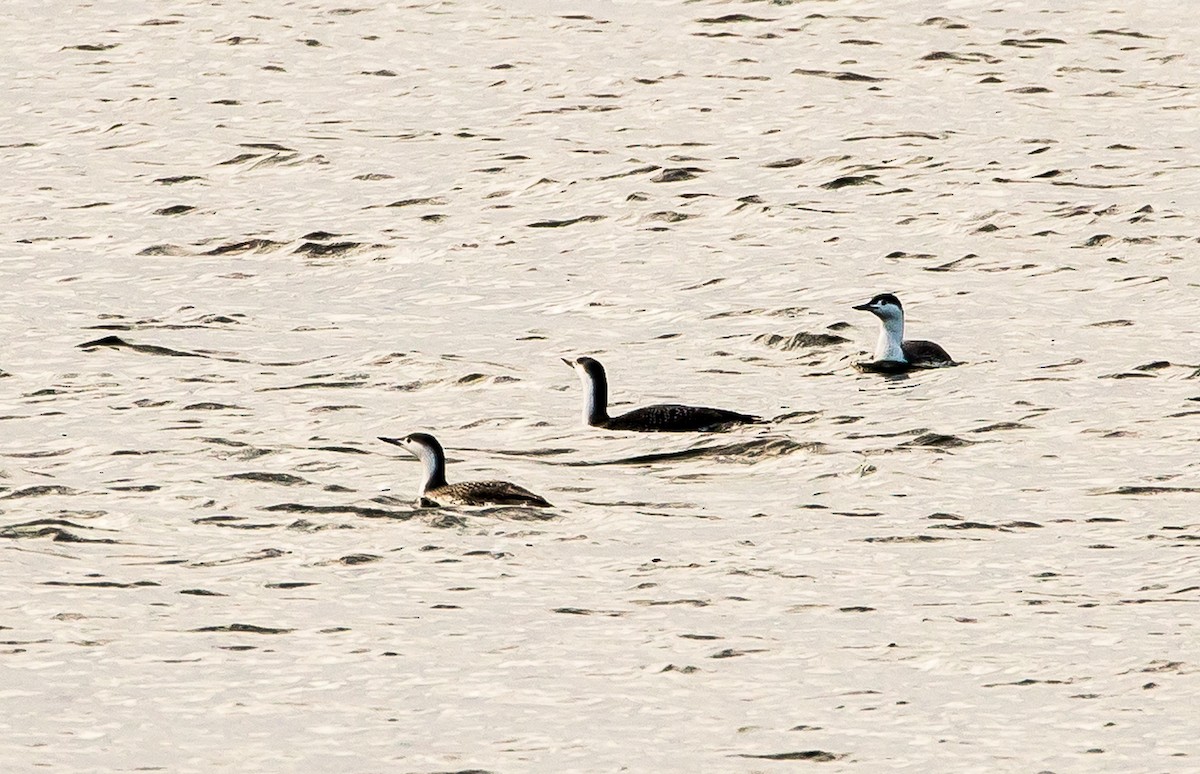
[
  {"x": 660, "y": 418},
  {"x": 893, "y": 353},
  {"x": 435, "y": 490}
]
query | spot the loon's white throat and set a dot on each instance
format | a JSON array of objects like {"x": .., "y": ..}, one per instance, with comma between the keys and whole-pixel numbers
[
  {"x": 891, "y": 326},
  {"x": 891, "y": 337},
  {"x": 595, "y": 389}
]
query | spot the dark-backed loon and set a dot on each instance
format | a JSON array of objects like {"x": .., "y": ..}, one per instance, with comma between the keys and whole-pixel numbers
[
  {"x": 660, "y": 418},
  {"x": 893, "y": 354}
]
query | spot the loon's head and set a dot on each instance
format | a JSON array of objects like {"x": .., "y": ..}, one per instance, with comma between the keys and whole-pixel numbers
[
  {"x": 587, "y": 367},
  {"x": 885, "y": 306},
  {"x": 426, "y": 448},
  {"x": 416, "y": 443}
]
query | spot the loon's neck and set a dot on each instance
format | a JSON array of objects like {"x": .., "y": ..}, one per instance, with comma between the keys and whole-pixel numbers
[
  {"x": 434, "y": 463},
  {"x": 891, "y": 339},
  {"x": 595, "y": 398}
]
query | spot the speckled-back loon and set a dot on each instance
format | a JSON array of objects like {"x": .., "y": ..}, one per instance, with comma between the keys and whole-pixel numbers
[
  {"x": 660, "y": 418},
  {"x": 435, "y": 490},
  {"x": 893, "y": 353}
]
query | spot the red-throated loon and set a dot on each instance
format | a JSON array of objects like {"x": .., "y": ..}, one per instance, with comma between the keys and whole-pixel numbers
[{"x": 434, "y": 488}]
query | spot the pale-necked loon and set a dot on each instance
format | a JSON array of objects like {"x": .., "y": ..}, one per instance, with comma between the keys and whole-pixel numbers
[
  {"x": 893, "y": 353},
  {"x": 660, "y": 418},
  {"x": 435, "y": 490}
]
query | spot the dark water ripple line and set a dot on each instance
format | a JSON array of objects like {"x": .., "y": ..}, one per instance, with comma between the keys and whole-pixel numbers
[
  {"x": 103, "y": 584},
  {"x": 58, "y": 530},
  {"x": 938, "y": 441},
  {"x": 42, "y": 490},
  {"x": 544, "y": 452},
  {"x": 819, "y": 756},
  {"x": 266, "y": 553},
  {"x": 241, "y": 628},
  {"x": 235, "y": 522},
  {"x": 36, "y": 455},
  {"x": 742, "y": 450},
  {"x": 1146, "y": 490},
  {"x": 312, "y": 385},
  {"x": 353, "y": 510},
  {"x": 116, "y": 342},
  {"x": 517, "y": 513},
  {"x": 283, "y": 479}
]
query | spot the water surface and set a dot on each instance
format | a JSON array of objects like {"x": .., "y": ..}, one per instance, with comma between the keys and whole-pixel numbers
[{"x": 284, "y": 231}]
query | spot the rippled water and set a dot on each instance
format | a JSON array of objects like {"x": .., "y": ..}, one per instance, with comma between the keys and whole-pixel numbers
[{"x": 241, "y": 241}]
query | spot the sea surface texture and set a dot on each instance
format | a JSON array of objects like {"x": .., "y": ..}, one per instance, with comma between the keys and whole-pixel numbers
[{"x": 241, "y": 240}]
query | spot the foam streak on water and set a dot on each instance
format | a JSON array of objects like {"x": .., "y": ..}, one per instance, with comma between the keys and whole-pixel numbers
[{"x": 241, "y": 241}]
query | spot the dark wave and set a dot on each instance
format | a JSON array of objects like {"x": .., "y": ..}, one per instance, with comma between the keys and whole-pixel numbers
[
  {"x": 116, "y": 342},
  {"x": 352, "y": 510},
  {"x": 58, "y": 530},
  {"x": 741, "y": 451}
]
